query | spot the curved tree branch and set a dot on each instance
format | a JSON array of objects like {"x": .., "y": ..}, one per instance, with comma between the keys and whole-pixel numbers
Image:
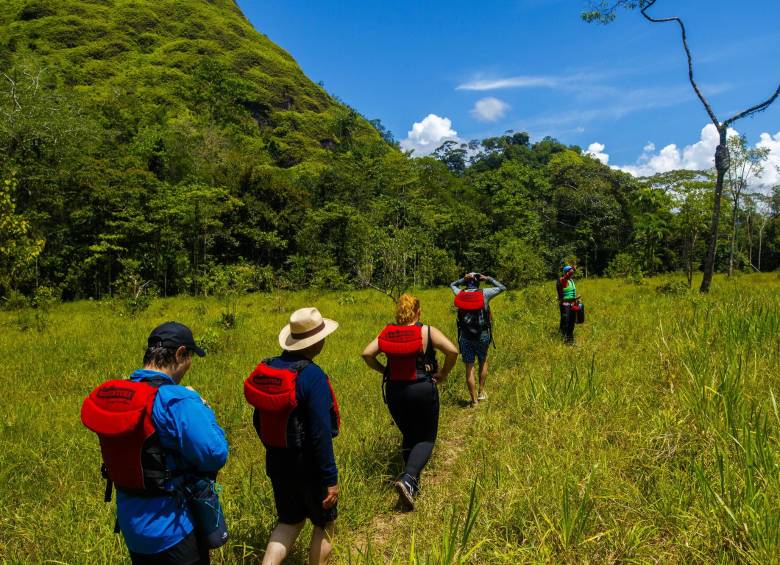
[
  {"x": 754, "y": 110},
  {"x": 646, "y": 5}
]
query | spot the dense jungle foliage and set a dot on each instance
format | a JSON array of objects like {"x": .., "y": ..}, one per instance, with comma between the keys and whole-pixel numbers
[{"x": 168, "y": 147}]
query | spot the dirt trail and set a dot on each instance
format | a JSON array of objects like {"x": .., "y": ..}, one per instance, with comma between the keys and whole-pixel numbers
[{"x": 449, "y": 446}]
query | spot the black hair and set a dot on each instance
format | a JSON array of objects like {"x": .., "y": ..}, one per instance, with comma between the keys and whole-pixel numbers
[{"x": 161, "y": 356}]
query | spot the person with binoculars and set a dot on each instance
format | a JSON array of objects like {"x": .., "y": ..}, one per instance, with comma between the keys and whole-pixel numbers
[{"x": 475, "y": 327}]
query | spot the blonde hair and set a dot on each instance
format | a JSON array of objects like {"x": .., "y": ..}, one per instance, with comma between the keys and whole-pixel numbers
[{"x": 406, "y": 309}]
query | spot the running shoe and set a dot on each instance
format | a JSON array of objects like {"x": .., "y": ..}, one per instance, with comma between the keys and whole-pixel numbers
[
  {"x": 482, "y": 397},
  {"x": 406, "y": 491}
]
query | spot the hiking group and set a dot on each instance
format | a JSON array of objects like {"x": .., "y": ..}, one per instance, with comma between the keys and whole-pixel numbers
[{"x": 162, "y": 446}]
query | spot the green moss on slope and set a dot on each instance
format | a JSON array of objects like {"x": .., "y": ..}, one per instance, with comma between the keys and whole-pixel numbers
[{"x": 141, "y": 63}]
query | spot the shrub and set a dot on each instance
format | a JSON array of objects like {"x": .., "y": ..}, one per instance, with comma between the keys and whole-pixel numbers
[
  {"x": 134, "y": 293},
  {"x": 42, "y": 300},
  {"x": 625, "y": 266},
  {"x": 211, "y": 341},
  {"x": 437, "y": 267},
  {"x": 17, "y": 302},
  {"x": 518, "y": 264},
  {"x": 673, "y": 288}
]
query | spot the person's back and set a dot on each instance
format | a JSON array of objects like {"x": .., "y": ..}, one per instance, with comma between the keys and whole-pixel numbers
[
  {"x": 411, "y": 376},
  {"x": 475, "y": 327},
  {"x": 313, "y": 424},
  {"x": 194, "y": 445},
  {"x": 184, "y": 445},
  {"x": 296, "y": 417}
]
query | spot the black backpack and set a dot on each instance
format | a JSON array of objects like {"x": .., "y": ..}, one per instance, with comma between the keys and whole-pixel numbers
[{"x": 474, "y": 315}]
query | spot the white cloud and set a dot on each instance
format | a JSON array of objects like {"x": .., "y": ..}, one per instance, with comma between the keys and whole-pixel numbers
[
  {"x": 771, "y": 176},
  {"x": 489, "y": 109},
  {"x": 596, "y": 150},
  {"x": 700, "y": 156},
  {"x": 428, "y": 134},
  {"x": 510, "y": 82}
]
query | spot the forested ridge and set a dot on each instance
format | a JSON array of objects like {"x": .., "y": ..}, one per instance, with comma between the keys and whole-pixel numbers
[{"x": 168, "y": 147}]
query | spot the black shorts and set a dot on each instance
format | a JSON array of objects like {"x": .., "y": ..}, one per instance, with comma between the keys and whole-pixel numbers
[
  {"x": 187, "y": 552},
  {"x": 298, "y": 492}
]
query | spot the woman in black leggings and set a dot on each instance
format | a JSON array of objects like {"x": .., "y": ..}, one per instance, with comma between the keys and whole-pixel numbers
[{"x": 410, "y": 378}]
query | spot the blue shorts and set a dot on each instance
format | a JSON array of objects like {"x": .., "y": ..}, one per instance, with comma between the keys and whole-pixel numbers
[{"x": 469, "y": 350}]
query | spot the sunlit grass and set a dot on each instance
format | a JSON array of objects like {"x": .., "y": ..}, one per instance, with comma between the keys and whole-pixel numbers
[{"x": 656, "y": 438}]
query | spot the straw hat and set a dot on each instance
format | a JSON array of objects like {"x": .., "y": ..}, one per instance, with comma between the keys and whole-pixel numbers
[{"x": 306, "y": 327}]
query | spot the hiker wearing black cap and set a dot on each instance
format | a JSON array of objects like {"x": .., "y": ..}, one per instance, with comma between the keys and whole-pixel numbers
[
  {"x": 180, "y": 443},
  {"x": 475, "y": 327},
  {"x": 410, "y": 378},
  {"x": 569, "y": 305},
  {"x": 297, "y": 416}
]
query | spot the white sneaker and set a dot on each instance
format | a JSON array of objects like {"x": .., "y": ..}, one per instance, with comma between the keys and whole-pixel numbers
[{"x": 482, "y": 397}]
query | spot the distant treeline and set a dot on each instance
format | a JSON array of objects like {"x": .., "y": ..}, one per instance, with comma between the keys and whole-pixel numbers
[{"x": 211, "y": 175}]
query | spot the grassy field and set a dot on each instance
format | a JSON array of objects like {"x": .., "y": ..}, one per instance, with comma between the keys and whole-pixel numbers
[{"x": 655, "y": 439}]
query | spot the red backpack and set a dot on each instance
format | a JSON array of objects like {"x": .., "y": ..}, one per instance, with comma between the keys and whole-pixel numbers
[
  {"x": 470, "y": 300},
  {"x": 473, "y": 316},
  {"x": 402, "y": 345},
  {"x": 272, "y": 392},
  {"x": 120, "y": 413}
]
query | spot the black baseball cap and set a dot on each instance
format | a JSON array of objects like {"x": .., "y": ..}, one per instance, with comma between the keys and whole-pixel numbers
[{"x": 174, "y": 335}]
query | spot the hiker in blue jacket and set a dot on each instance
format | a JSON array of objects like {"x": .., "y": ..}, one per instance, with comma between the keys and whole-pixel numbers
[{"x": 160, "y": 529}]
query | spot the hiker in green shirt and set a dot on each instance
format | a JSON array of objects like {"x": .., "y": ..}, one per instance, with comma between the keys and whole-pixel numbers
[{"x": 567, "y": 299}]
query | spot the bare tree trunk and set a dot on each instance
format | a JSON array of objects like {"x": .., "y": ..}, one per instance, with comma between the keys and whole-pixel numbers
[
  {"x": 722, "y": 152},
  {"x": 721, "y": 166},
  {"x": 689, "y": 264},
  {"x": 733, "y": 238},
  {"x": 750, "y": 236}
]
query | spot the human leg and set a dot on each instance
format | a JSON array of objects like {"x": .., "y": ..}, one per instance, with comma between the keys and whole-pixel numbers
[
  {"x": 562, "y": 324},
  {"x": 416, "y": 412},
  {"x": 482, "y": 354},
  {"x": 483, "y": 371},
  {"x": 399, "y": 413},
  {"x": 285, "y": 469},
  {"x": 281, "y": 541},
  {"x": 422, "y": 434},
  {"x": 571, "y": 319},
  {"x": 470, "y": 382},
  {"x": 468, "y": 354},
  {"x": 321, "y": 545}
]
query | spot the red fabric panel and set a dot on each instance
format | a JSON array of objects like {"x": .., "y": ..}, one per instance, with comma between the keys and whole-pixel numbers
[
  {"x": 272, "y": 392},
  {"x": 401, "y": 345},
  {"x": 466, "y": 300},
  {"x": 120, "y": 413}
]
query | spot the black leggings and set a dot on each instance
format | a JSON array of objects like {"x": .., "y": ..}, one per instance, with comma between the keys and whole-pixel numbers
[
  {"x": 414, "y": 407},
  {"x": 568, "y": 318}
]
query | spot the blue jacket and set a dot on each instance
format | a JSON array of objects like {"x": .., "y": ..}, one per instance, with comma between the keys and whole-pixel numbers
[
  {"x": 189, "y": 430},
  {"x": 316, "y": 401}
]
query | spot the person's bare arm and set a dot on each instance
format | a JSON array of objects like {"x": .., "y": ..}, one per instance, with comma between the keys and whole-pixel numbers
[
  {"x": 369, "y": 356},
  {"x": 443, "y": 344}
]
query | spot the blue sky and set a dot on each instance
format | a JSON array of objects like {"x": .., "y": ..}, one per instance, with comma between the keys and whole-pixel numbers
[{"x": 533, "y": 65}]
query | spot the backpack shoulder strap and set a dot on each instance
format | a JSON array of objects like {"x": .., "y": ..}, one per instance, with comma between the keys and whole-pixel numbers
[
  {"x": 299, "y": 366},
  {"x": 156, "y": 381}
]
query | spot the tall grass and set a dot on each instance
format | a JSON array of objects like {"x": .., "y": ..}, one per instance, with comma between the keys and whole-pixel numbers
[{"x": 655, "y": 439}]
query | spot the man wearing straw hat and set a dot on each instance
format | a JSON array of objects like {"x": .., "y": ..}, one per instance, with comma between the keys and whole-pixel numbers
[{"x": 297, "y": 418}]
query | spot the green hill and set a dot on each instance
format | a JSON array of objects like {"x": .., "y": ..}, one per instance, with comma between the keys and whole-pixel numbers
[
  {"x": 153, "y": 140},
  {"x": 185, "y": 62}
]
